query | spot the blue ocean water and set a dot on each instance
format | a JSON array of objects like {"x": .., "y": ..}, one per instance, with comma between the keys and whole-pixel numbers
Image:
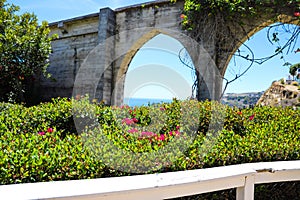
[{"x": 144, "y": 102}]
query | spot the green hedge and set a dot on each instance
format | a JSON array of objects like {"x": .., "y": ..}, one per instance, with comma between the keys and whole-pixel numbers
[{"x": 41, "y": 143}]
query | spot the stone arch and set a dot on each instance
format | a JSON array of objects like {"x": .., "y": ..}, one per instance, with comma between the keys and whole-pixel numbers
[
  {"x": 145, "y": 36},
  {"x": 134, "y": 49},
  {"x": 112, "y": 33},
  {"x": 262, "y": 23}
]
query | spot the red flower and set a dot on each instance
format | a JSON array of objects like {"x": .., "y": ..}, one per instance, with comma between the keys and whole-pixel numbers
[
  {"x": 297, "y": 14},
  {"x": 135, "y": 120},
  {"x": 41, "y": 133},
  {"x": 162, "y": 109},
  {"x": 239, "y": 113},
  {"x": 124, "y": 107},
  {"x": 78, "y": 96},
  {"x": 161, "y": 138},
  {"x": 251, "y": 117},
  {"x": 50, "y": 130},
  {"x": 182, "y": 16}
]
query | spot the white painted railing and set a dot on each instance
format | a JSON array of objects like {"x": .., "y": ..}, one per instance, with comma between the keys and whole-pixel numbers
[{"x": 161, "y": 186}]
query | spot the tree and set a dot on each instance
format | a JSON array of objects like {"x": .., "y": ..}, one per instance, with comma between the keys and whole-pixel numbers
[
  {"x": 24, "y": 51},
  {"x": 293, "y": 69}
]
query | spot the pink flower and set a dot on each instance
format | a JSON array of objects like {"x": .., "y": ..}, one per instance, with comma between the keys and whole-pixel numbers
[
  {"x": 134, "y": 130},
  {"x": 50, "y": 130},
  {"x": 177, "y": 127},
  {"x": 124, "y": 107},
  {"x": 162, "y": 109},
  {"x": 251, "y": 117},
  {"x": 148, "y": 134},
  {"x": 175, "y": 133},
  {"x": 41, "y": 133},
  {"x": 135, "y": 120},
  {"x": 297, "y": 14},
  {"x": 128, "y": 121},
  {"x": 161, "y": 138}
]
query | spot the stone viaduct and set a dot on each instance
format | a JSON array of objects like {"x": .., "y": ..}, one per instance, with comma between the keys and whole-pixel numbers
[{"x": 93, "y": 52}]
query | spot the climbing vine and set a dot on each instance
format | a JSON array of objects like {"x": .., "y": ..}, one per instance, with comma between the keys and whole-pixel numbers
[
  {"x": 227, "y": 18},
  {"x": 231, "y": 9}
]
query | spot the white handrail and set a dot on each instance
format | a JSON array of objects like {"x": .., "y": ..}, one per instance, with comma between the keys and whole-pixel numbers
[{"x": 161, "y": 186}]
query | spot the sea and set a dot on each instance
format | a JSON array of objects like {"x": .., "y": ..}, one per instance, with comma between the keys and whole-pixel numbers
[{"x": 144, "y": 102}]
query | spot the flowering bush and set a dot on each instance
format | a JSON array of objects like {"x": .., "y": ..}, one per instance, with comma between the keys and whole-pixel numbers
[{"x": 34, "y": 141}]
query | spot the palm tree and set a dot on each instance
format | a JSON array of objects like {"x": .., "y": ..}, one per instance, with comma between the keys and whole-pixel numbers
[{"x": 294, "y": 70}]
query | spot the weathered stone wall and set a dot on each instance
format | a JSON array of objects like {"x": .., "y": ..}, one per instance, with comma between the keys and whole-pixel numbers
[
  {"x": 93, "y": 52},
  {"x": 108, "y": 40},
  {"x": 77, "y": 37}
]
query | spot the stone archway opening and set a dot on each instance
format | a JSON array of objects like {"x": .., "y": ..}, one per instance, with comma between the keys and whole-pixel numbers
[
  {"x": 257, "y": 75},
  {"x": 156, "y": 74}
]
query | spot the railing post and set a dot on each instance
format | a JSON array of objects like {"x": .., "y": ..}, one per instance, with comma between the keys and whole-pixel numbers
[{"x": 246, "y": 192}]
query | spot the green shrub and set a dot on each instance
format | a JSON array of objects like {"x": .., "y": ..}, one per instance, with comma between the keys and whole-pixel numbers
[
  {"x": 41, "y": 143},
  {"x": 20, "y": 119},
  {"x": 37, "y": 157}
]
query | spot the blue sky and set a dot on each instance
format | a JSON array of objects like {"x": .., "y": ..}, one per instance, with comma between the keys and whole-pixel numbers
[
  {"x": 258, "y": 78},
  {"x": 165, "y": 75},
  {"x": 55, "y": 10}
]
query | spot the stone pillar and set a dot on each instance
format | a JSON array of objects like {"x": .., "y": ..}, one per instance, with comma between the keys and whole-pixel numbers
[{"x": 106, "y": 52}]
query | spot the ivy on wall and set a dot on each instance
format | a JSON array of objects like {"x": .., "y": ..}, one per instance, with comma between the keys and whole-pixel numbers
[
  {"x": 225, "y": 23},
  {"x": 234, "y": 8}
]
